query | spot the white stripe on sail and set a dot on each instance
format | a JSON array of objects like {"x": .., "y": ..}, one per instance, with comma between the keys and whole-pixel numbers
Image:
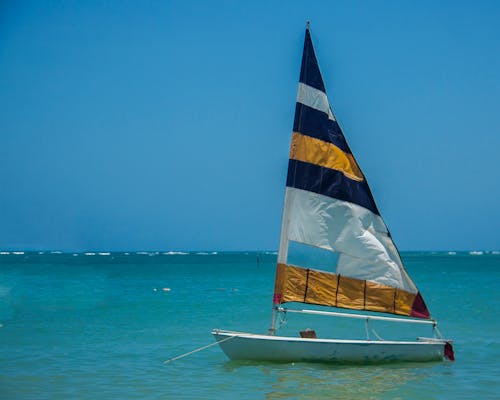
[
  {"x": 359, "y": 236},
  {"x": 314, "y": 98}
]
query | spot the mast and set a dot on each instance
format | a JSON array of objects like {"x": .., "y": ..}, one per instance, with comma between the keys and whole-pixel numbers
[{"x": 283, "y": 247}]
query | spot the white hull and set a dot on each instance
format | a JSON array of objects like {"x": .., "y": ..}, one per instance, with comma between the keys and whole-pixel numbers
[{"x": 248, "y": 346}]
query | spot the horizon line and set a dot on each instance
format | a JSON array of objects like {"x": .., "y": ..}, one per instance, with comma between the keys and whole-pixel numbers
[{"x": 183, "y": 251}]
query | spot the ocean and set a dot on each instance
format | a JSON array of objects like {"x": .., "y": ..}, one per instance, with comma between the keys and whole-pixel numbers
[{"x": 100, "y": 326}]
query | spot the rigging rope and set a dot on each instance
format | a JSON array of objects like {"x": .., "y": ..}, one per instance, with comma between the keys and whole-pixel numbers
[
  {"x": 376, "y": 334},
  {"x": 198, "y": 349}
]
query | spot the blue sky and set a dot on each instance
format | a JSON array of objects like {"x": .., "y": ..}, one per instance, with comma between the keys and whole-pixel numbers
[{"x": 166, "y": 125}]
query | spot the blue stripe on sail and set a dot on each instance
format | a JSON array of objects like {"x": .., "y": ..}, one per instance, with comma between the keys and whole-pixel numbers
[
  {"x": 309, "y": 71},
  {"x": 331, "y": 183},
  {"x": 315, "y": 123}
]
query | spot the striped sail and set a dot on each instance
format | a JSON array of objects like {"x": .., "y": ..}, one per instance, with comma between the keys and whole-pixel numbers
[{"x": 329, "y": 206}]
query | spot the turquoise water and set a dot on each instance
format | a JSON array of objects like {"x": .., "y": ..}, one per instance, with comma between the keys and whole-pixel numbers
[{"x": 93, "y": 326}]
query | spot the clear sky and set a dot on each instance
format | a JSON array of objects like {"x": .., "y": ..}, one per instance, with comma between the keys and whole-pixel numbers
[{"x": 165, "y": 125}]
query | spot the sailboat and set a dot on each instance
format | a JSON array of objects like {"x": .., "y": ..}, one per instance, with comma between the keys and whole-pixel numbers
[{"x": 329, "y": 207}]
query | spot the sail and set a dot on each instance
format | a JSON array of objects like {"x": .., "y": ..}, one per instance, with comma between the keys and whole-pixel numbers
[{"x": 329, "y": 206}]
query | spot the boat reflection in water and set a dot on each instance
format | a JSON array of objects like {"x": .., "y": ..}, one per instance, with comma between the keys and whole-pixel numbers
[{"x": 287, "y": 381}]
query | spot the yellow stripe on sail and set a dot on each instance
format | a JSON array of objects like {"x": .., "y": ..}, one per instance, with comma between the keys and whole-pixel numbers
[
  {"x": 315, "y": 151},
  {"x": 303, "y": 285}
]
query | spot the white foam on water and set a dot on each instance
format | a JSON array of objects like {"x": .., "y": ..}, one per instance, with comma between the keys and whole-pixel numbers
[
  {"x": 175, "y": 253},
  {"x": 127, "y": 254},
  {"x": 476, "y": 253},
  {"x": 18, "y": 252},
  {"x": 4, "y": 252},
  {"x": 495, "y": 252},
  {"x": 104, "y": 254},
  {"x": 452, "y": 253},
  {"x": 202, "y": 253},
  {"x": 75, "y": 254},
  {"x": 56, "y": 252},
  {"x": 90, "y": 254},
  {"x": 41, "y": 252}
]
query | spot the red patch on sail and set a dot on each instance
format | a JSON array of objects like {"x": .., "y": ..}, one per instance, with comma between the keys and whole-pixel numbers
[
  {"x": 277, "y": 298},
  {"x": 419, "y": 309}
]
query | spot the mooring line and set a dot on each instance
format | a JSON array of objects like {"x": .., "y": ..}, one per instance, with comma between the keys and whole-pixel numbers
[{"x": 198, "y": 349}]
